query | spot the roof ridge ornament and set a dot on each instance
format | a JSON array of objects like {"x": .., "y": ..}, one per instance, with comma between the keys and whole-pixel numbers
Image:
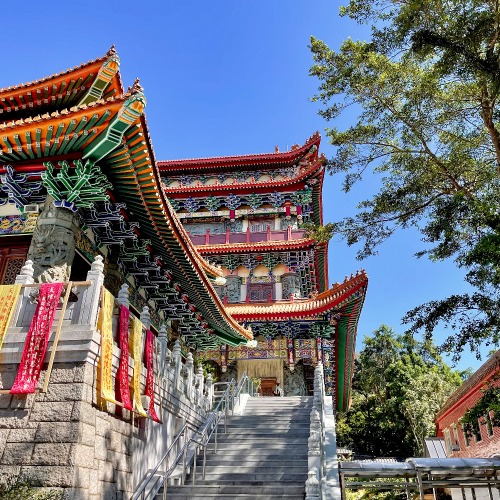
[
  {"x": 111, "y": 51},
  {"x": 135, "y": 88}
]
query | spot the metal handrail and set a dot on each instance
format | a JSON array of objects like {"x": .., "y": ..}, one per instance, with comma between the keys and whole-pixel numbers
[
  {"x": 139, "y": 494},
  {"x": 237, "y": 391},
  {"x": 214, "y": 418}
]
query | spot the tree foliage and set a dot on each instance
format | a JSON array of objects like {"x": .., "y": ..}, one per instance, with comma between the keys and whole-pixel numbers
[
  {"x": 399, "y": 385},
  {"x": 425, "y": 89}
]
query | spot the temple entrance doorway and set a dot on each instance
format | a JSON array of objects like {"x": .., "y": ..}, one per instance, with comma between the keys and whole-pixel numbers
[
  {"x": 269, "y": 371},
  {"x": 267, "y": 386}
]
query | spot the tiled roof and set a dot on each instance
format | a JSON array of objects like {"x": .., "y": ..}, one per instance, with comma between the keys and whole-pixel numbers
[
  {"x": 303, "y": 308},
  {"x": 242, "y": 187},
  {"x": 237, "y": 161},
  {"x": 491, "y": 366},
  {"x": 33, "y": 83}
]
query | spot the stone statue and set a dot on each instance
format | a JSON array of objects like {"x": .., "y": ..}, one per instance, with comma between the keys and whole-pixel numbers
[{"x": 52, "y": 247}]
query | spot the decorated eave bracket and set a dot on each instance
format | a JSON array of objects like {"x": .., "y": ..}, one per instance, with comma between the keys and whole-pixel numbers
[
  {"x": 80, "y": 187},
  {"x": 106, "y": 73},
  {"x": 112, "y": 136},
  {"x": 20, "y": 191}
]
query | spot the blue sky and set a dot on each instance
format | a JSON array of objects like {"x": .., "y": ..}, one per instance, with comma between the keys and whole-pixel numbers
[{"x": 224, "y": 78}]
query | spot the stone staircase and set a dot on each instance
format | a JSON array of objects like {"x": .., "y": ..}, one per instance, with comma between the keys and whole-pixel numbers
[{"x": 262, "y": 456}]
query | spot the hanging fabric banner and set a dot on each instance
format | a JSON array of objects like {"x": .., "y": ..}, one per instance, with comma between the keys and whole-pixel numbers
[
  {"x": 8, "y": 298},
  {"x": 150, "y": 382},
  {"x": 37, "y": 339},
  {"x": 319, "y": 352},
  {"x": 123, "y": 380},
  {"x": 136, "y": 353},
  {"x": 105, "y": 325},
  {"x": 291, "y": 354}
]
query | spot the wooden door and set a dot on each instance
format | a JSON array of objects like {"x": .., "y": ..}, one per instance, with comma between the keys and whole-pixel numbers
[{"x": 267, "y": 386}]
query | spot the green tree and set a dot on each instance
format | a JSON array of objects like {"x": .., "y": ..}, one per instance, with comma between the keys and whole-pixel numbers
[
  {"x": 398, "y": 387},
  {"x": 426, "y": 88}
]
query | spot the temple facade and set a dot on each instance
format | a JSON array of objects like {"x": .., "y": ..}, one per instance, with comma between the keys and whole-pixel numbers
[
  {"x": 215, "y": 248},
  {"x": 248, "y": 215}
]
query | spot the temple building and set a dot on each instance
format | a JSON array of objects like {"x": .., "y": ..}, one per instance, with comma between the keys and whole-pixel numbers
[
  {"x": 247, "y": 215},
  {"x": 216, "y": 248}
]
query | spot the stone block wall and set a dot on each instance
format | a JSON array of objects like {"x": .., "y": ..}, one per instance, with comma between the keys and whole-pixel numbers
[{"x": 70, "y": 438}]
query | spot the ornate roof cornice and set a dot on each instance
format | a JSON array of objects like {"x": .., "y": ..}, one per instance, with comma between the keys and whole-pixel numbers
[
  {"x": 87, "y": 65},
  {"x": 260, "y": 246},
  {"x": 315, "y": 167},
  {"x": 303, "y": 308},
  {"x": 228, "y": 162}
]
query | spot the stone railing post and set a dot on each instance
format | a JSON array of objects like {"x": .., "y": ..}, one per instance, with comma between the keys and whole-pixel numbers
[
  {"x": 314, "y": 442},
  {"x": 92, "y": 294},
  {"x": 177, "y": 361},
  {"x": 25, "y": 277},
  {"x": 200, "y": 382},
  {"x": 145, "y": 317},
  {"x": 210, "y": 391},
  {"x": 124, "y": 296},
  {"x": 162, "y": 349},
  {"x": 189, "y": 367},
  {"x": 312, "y": 485}
]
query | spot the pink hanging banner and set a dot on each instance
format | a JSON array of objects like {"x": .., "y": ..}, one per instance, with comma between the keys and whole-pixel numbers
[
  {"x": 37, "y": 339},
  {"x": 123, "y": 379},
  {"x": 150, "y": 383},
  {"x": 136, "y": 353}
]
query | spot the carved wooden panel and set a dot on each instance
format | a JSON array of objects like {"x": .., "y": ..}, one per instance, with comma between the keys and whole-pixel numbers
[{"x": 12, "y": 259}]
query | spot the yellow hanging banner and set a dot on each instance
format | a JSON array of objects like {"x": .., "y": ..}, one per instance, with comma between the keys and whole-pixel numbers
[
  {"x": 136, "y": 353},
  {"x": 8, "y": 298},
  {"x": 105, "y": 325}
]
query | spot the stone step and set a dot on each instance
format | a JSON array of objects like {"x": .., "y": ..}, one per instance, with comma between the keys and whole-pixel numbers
[
  {"x": 282, "y": 412},
  {"x": 254, "y": 467},
  {"x": 265, "y": 426},
  {"x": 232, "y": 496},
  {"x": 267, "y": 434},
  {"x": 259, "y": 454},
  {"x": 271, "y": 490},
  {"x": 277, "y": 403},
  {"x": 248, "y": 445},
  {"x": 300, "y": 415},
  {"x": 272, "y": 460},
  {"x": 249, "y": 478}
]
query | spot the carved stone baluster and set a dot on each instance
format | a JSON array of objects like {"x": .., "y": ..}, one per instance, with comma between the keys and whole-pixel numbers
[
  {"x": 189, "y": 367},
  {"x": 312, "y": 485},
  {"x": 25, "y": 276},
  {"x": 124, "y": 296},
  {"x": 200, "y": 382},
  {"x": 210, "y": 391},
  {"x": 92, "y": 294},
  {"x": 177, "y": 361},
  {"x": 145, "y": 317}
]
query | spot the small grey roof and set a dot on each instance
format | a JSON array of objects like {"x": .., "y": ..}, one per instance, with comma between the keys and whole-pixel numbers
[{"x": 434, "y": 447}]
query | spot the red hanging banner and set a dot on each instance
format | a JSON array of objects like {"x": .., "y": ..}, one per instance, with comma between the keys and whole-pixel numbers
[
  {"x": 150, "y": 383},
  {"x": 123, "y": 379},
  {"x": 37, "y": 339}
]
